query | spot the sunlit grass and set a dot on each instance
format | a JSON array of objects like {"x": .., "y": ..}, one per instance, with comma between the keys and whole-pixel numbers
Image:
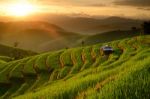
[{"x": 82, "y": 73}]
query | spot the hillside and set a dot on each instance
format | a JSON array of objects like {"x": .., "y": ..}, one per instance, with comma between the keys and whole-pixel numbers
[
  {"x": 90, "y": 24},
  {"x": 76, "y": 41},
  {"x": 31, "y": 35},
  {"x": 81, "y": 73},
  {"x": 41, "y": 36},
  {"x": 10, "y": 53},
  {"x": 110, "y": 36}
]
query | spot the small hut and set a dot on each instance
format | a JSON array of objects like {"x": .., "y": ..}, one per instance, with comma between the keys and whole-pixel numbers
[{"x": 106, "y": 50}]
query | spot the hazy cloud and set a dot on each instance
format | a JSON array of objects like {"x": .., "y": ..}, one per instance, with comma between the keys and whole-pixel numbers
[
  {"x": 97, "y": 5},
  {"x": 81, "y": 3},
  {"x": 142, "y": 3},
  {"x": 147, "y": 9},
  {"x": 89, "y": 7},
  {"x": 92, "y": 3}
]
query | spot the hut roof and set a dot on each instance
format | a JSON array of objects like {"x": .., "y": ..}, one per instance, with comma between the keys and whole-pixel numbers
[{"x": 106, "y": 47}]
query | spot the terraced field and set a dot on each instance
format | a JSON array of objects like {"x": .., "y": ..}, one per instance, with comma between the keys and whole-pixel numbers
[
  {"x": 8, "y": 53},
  {"x": 80, "y": 73}
]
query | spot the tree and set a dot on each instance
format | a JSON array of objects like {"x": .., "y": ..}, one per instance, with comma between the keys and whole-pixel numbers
[
  {"x": 133, "y": 28},
  {"x": 16, "y": 44},
  {"x": 146, "y": 27},
  {"x": 67, "y": 47},
  {"x": 82, "y": 43}
]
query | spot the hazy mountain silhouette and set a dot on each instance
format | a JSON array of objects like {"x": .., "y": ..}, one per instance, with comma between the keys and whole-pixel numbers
[
  {"x": 43, "y": 35},
  {"x": 87, "y": 24},
  {"x": 92, "y": 25},
  {"x": 30, "y": 35}
]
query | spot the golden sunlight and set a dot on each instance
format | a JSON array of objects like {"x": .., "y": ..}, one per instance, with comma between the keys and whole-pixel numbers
[{"x": 20, "y": 9}]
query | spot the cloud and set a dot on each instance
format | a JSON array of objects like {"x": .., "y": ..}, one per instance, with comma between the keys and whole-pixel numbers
[
  {"x": 91, "y": 3},
  {"x": 81, "y": 3},
  {"x": 97, "y": 5},
  {"x": 141, "y": 3},
  {"x": 147, "y": 9}
]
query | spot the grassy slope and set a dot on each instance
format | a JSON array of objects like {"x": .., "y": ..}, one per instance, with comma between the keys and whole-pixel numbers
[
  {"x": 50, "y": 37},
  {"x": 110, "y": 36},
  {"x": 76, "y": 40},
  {"x": 30, "y": 34},
  {"x": 81, "y": 73},
  {"x": 6, "y": 53}
]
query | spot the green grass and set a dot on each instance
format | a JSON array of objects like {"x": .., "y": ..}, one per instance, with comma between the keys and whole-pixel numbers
[
  {"x": 110, "y": 36},
  {"x": 81, "y": 73},
  {"x": 65, "y": 58},
  {"x": 8, "y": 53},
  {"x": 40, "y": 63},
  {"x": 16, "y": 72},
  {"x": 29, "y": 67},
  {"x": 77, "y": 60},
  {"x": 5, "y": 72},
  {"x": 6, "y": 58},
  {"x": 2, "y": 62},
  {"x": 87, "y": 58},
  {"x": 53, "y": 60},
  {"x": 132, "y": 83}
]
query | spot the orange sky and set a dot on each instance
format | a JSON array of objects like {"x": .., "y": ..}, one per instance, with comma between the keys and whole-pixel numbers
[{"x": 132, "y": 9}]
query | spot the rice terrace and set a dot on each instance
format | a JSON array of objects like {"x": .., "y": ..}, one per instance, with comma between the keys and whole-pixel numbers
[
  {"x": 74, "y": 49},
  {"x": 81, "y": 73}
]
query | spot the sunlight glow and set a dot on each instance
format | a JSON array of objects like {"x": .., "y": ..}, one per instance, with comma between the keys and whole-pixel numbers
[{"x": 20, "y": 9}]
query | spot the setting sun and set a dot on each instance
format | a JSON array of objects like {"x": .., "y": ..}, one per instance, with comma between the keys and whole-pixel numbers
[{"x": 20, "y": 9}]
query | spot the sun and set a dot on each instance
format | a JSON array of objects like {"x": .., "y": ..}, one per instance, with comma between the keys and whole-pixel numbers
[{"x": 20, "y": 9}]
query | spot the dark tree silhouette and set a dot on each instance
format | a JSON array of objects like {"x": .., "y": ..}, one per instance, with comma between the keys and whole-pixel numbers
[
  {"x": 146, "y": 27},
  {"x": 16, "y": 44},
  {"x": 82, "y": 43},
  {"x": 66, "y": 47},
  {"x": 133, "y": 28}
]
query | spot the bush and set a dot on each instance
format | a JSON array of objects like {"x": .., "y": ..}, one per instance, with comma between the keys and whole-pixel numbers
[{"x": 146, "y": 27}]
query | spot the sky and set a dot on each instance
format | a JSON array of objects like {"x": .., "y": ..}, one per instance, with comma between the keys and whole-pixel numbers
[{"x": 124, "y": 8}]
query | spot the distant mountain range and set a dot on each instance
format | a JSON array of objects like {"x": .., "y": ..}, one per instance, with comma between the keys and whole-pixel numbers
[
  {"x": 86, "y": 25},
  {"x": 53, "y": 32},
  {"x": 31, "y": 35},
  {"x": 90, "y": 25}
]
